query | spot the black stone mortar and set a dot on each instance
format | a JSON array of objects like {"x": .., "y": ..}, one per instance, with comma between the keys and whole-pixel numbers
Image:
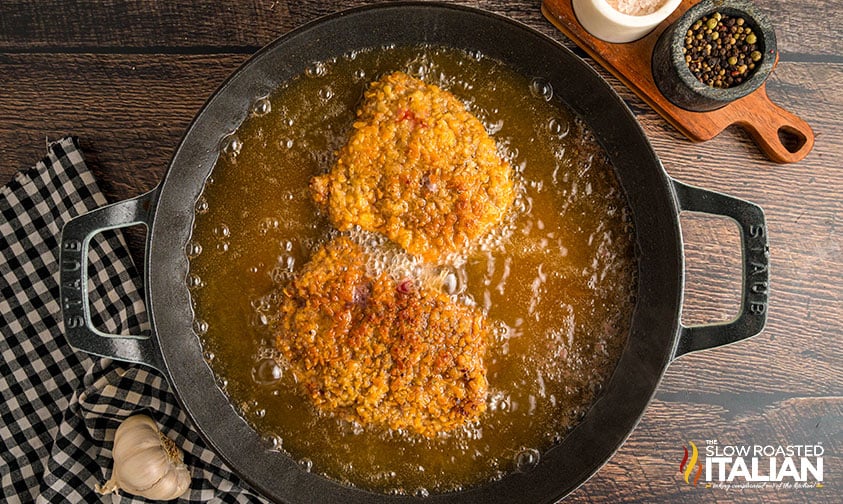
[{"x": 675, "y": 80}]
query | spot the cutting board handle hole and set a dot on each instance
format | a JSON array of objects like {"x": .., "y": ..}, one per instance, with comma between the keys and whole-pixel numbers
[{"x": 791, "y": 139}]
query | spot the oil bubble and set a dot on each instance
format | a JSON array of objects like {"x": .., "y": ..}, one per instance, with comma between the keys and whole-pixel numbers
[
  {"x": 194, "y": 281},
  {"x": 498, "y": 401},
  {"x": 268, "y": 224},
  {"x": 418, "y": 69},
  {"x": 357, "y": 428},
  {"x": 261, "y": 304},
  {"x": 454, "y": 280},
  {"x": 421, "y": 493},
  {"x": 222, "y": 231},
  {"x": 260, "y": 320},
  {"x": 306, "y": 464},
  {"x": 231, "y": 145},
  {"x": 200, "y": 326},
  {"x": 222, "y": 246},
  {"x": 193, "y": 250},
  {"x": 261, "y": 107},
  {"x": 493, "y": 127},
  {"x": 208, "y": 356},
  {"x": 273, "y": 442},
  {"x": 202, "y": 206},
  {"x": 527, "y": 460},
  {"x": 359, "y": 74},
  {"x": 326, "y": 93},
  {"x": 280, "y": 276},
  {"x": 450, "y": 283},
  {"x": 558, "y": 127},
  {"x": 267, "y": 372},
  {"x": 541, "y": 88},
  {"x": 286, "y": 262},
  {"x": 318, "y": 69}
]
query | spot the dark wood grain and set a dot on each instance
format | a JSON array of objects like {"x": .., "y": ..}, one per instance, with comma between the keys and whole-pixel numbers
[
  {"x": 128, "y": 77},
  {"x": 648, "y": 463},
  {"x": 129, "y": 109},
  {"x": 188, "y": 26},
  {"x": 179, "y": 26}
]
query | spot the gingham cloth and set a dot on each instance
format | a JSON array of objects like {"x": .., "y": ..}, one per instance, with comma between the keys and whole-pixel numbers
[{"x": 60, "y": 407}]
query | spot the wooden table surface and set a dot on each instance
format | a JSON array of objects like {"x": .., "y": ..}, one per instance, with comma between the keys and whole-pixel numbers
[{"x": 127, "y": 77}]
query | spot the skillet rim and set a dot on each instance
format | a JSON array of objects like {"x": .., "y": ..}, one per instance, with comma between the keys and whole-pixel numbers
[{"x": 166, "y": 287}]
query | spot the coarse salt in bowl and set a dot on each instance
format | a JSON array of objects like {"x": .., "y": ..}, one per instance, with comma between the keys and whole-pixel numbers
[{"x": 621, "y": 21}]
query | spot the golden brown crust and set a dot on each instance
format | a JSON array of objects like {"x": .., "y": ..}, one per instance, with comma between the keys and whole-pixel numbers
[
  {"x": 374, "y": 350},
  {"x": 419, "y": 168}
]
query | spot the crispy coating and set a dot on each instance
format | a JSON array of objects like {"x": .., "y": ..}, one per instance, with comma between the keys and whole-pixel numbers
[
  {"x": 374, "y": 350},
  {"x": 419, "y": 168}
]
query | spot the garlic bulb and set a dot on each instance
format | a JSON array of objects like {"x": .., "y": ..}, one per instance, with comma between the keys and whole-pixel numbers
[{"x": 146, "y": 462}]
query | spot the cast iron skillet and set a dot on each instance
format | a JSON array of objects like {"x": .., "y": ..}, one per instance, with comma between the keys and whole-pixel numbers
[{"x": 656, "y": 337}]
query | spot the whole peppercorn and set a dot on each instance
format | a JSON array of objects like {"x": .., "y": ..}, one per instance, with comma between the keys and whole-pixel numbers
[{"x": 721, "y": 50}]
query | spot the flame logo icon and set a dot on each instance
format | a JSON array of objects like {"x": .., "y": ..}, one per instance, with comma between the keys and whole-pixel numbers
[{"x": 686, "y": 467}]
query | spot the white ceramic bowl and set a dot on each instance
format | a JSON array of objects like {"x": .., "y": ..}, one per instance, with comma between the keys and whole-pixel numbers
[{"x": 606, "y": 23}]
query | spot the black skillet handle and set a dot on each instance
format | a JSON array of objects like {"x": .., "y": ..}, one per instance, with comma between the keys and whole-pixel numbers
[
  {"x": 755, "y": 253},
  {"x": 76, "y": 309}
]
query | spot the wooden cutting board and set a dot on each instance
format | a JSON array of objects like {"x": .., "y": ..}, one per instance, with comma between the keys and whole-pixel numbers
[{"x": 781, "y": 135}]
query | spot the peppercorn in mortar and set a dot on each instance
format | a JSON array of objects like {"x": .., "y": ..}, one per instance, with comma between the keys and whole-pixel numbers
[
  {"x": 721, "y": 51},
  {"x": 375, "y": 350},
  {"x": 419, "y": 168}
]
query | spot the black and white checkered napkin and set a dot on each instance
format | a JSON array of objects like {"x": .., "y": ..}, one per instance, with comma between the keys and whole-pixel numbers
[{"x": 59, "y": 407}]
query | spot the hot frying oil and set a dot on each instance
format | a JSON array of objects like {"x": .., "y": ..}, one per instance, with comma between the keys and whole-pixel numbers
[{"x": 556, "y": 279}]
